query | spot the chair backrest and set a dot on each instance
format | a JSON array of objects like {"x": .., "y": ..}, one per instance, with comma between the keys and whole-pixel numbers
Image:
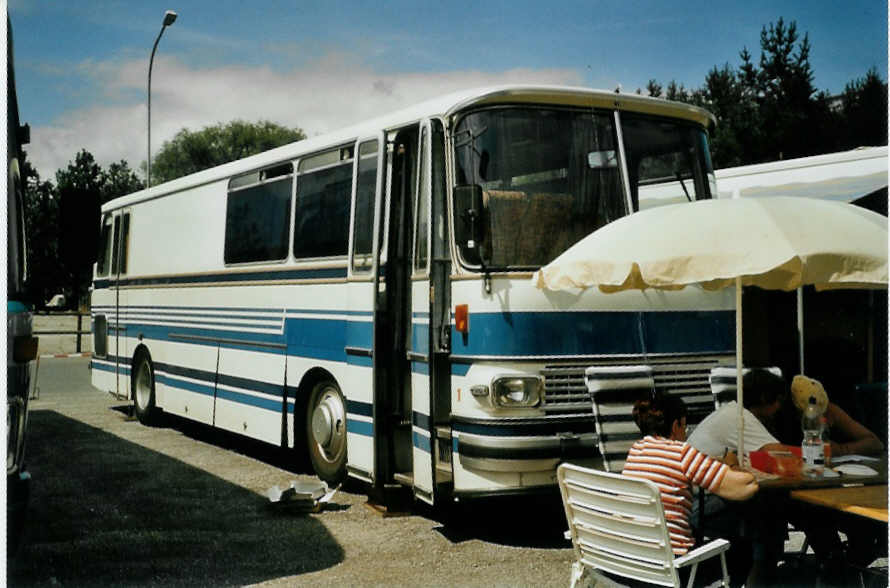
[
  {"x": 613, "y": 390},
  {"x": 617, "y": 524},
  {"x": 723, "y": 382}
]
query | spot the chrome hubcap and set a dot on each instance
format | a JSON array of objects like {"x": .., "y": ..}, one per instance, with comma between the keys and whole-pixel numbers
[
  {"x": 143, "y": 386},
  {"x": 329, "y": 425}
]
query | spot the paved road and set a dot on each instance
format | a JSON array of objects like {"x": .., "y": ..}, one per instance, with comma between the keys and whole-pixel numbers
[{"x": 118, "y": 503}]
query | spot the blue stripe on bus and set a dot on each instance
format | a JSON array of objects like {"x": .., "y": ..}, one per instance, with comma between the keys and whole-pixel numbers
[
  {"x": 421, "y": 420},
  {"x": 318, "y": 338},
  {"x": 184, "y": 385},
  {"x": 363, "y": 428},
  {"x": 206, "y": 322},
  {"x": 420, "y": 367},
  {"x": 272, "y": 404},
  {"x": 595, "y": 333},
  {"x": 422, "y": 442},
  {"x": 360, "y": 408},
  {"x": 163, "y": 333},
  {"x": 460, "y": 369},
  {"x": 103, "y": 367},
  {"x": 496, "y": 334},
  {"x": 360, "y": 361},
  {"x": 252, "y": 385},
  {"x": 420, "y": 337}
]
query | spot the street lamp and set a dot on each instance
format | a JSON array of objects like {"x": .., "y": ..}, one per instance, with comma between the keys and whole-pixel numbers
[{"x": 169, "y": 19}]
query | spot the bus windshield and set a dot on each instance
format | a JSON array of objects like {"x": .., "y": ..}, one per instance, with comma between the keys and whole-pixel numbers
[
  {"x": 668, "y": 161},
  {"x": 551, "y": 176},
  {"x": 548, "y": 176}
]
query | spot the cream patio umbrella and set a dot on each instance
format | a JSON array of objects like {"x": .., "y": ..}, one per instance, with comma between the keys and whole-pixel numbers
[{"x": 775, "y": 243}]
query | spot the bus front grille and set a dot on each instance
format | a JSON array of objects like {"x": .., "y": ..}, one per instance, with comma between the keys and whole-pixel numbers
[{"x": 565, "y": 391}]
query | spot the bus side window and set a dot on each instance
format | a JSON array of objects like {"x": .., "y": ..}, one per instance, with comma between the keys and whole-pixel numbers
[
  {"x": 125, "y": 242},
  {"x": 365, "y": 192},
  {"x": 258, "y": 216},
  {"x": 115, "y": 245},
  {"x": 104, "y": 247},
  {"x": 422, "y": 208},
  {"x": 321, "y": 222}
]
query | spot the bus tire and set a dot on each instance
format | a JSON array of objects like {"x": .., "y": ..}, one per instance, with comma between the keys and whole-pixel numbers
[
  {"x": 326, "y": 432},
  {"x": 143, "y": 382}
]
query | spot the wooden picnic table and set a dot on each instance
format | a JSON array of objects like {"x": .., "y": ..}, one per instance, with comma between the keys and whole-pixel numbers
[
  {"x": 867, "y": 501},
  {"x": 860, "y": 495}
]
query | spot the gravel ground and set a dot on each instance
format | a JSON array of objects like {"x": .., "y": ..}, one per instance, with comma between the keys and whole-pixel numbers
[{"x": 118, "y": 503}]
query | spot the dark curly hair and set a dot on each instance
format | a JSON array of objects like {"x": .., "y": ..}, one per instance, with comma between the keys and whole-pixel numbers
[
  {"x": 656, "y": 415},
  {"x": 762, "y": 387}
]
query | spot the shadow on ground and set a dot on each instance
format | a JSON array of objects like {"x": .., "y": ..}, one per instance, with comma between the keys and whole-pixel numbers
[
  {"x": 111, "y": 512},
  {"x": 523, "y": 521}
]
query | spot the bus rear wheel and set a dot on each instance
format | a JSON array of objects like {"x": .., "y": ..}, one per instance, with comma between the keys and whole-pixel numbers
[
  {"x": 144, "y": 389},
  {"x": 326, "y": 432}
]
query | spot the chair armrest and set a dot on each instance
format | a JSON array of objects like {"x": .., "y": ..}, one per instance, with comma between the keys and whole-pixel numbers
[{"x": 704, "y": 552}]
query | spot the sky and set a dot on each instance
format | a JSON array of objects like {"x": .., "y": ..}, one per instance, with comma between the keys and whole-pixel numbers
[{"x": 81, "y": 67}]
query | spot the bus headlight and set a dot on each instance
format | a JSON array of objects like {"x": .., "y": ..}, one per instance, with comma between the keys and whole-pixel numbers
[{"x": 515, "y": 391}]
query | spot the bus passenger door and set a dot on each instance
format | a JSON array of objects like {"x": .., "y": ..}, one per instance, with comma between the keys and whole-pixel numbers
[
  {"x": 358, "y": 384},
  {"x": 418, "y": 351},
  {"x": 118, "y": 325},
  {"x": 393, "y": 453}
]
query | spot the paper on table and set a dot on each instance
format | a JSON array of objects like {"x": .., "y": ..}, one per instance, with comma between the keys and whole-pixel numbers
[
  {"x": 855, "y": 469},
  {"x": 852, "y": 458}
]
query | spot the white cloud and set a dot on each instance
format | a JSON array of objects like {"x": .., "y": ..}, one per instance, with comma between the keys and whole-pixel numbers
[{"x": 331, "y": 93}]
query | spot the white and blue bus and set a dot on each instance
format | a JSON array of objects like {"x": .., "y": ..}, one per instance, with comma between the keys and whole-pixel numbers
[{"x": 365, "y": 295}]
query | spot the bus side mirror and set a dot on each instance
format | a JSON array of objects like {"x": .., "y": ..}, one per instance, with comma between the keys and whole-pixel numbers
[{"x": 470, "y": 221}]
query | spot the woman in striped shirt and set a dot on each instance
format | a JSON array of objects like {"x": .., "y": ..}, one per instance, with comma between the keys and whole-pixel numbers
[{"x": 664, "y": 457}]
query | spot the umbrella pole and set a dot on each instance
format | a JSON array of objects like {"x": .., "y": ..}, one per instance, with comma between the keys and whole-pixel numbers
[
  {"x": 800, "y": 333},
  {"x": 740, "y": 393}
]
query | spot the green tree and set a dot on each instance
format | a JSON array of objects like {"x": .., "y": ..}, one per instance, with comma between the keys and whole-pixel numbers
[
  {"x": 724, "y": 97},
  {"x": 864, "y": 104},
  {"x": 654, "y": 88},
  {"x": 79, "y": 188},
  {"x": 118, "y": 180},
  {"x": 785, "y": 91},
  {"x": 192, "y": 151},
  {"x": 769, "y": 109},
  {"x": 41, "y": 211}
]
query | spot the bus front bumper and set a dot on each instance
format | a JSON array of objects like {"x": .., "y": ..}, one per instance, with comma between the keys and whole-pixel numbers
[{"x": 523, "y": 454}]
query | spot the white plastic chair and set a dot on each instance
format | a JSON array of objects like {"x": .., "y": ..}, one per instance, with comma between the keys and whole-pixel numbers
[
  {"x": 617, "y": 525},
  {"x": 613, "y": 390},
  {"x": 723, "y": 382}
]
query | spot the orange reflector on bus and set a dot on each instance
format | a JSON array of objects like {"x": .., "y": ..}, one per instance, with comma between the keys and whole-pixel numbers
[{"x": 462, "y": 318}]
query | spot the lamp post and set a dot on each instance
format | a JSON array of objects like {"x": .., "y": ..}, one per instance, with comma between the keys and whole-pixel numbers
[{"x": 169, "y": 19}]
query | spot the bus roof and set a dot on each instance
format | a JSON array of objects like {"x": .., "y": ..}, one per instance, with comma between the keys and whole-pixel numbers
[{"x": 445, "y": 105}]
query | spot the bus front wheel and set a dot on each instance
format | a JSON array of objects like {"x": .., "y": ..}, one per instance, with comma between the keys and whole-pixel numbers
[
  {"x": 326, "y": 432},
  {"x": 144, "y": 389}
]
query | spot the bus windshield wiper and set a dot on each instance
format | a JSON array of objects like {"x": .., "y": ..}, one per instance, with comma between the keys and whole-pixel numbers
[{"x": 683, "y": 185}]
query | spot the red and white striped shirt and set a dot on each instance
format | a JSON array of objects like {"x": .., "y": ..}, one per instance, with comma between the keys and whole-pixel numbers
[{"x": 674, "y": 466}]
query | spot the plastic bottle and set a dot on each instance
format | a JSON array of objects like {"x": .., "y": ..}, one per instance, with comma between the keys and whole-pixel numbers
[
  {"x": 826, "y": 441},
  {"x": 812, "y": 447}
]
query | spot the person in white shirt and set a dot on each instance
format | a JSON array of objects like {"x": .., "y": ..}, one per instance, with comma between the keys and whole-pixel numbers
[
  {"x": 718, "y": 432},
  {"x": 759, "y": 526}
]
